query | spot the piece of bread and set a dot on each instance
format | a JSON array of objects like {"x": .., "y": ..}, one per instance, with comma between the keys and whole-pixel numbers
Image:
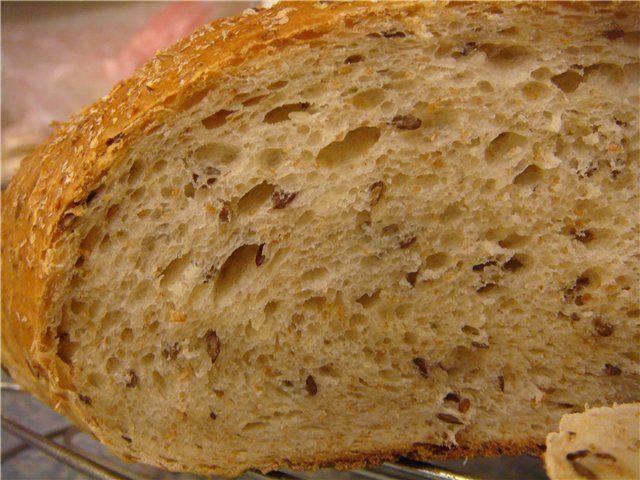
[
  {"x": 600, "y": 443},
  {"x": 331, "y": 234}
]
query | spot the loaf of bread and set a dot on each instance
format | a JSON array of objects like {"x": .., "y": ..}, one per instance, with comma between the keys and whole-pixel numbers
[
  {"x": 601, "y": 443},
  {"x": 334, "y": 233}
]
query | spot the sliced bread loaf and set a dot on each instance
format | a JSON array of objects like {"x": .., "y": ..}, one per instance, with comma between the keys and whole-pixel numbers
[
  {"x": 330, "y": 234},
  {"x": 600, "y": 443}
]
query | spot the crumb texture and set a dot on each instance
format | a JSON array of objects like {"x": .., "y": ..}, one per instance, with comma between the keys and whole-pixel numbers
[
  {"x": 599, "y": 443},
  {"x": 411, "y": 227}
]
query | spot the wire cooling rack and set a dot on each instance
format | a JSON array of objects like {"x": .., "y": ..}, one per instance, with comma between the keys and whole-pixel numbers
[{"x": 69, "y": 446}]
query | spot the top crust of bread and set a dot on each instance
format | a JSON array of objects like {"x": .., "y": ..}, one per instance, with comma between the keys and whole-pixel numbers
[{"x": 55, "y": 183}]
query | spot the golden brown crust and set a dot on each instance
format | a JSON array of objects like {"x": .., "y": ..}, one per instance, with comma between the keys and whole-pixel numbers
[{"x": 55, "y": 181}]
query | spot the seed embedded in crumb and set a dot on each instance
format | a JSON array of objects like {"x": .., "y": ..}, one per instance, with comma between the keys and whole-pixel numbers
[
  {"x": 575, "y": 317},
  {"x": 213, "y": 416},
  {"x": 406, "y": 122},
  {"x": 577, "y": 454},
  {"x": 375, "y": 193},
  {"x": 582, "y": 282},
  {"x": 584, "y": 236},
  {"x": 512, "y": 264},
  {"x": 412, "y": 277},
  {"x": 353, "y": 59},
  {"x": 422, "y": 366},
  {"x": 260, "y": 258},
  {"x": 445, "y": 417},
  {"x": 212, "y": 344},
  {"x": 501, "y": 383},
  {"x": 611, "y": 370},
  {"x": 85, "y": 399},
  {"x": 452, "y": 397},
  {"x": 604, "y": 329},
  {"x": 584, "y": 471},
  {"x": 408, "y": 242},
  {"x": 282, "y": 199},
  {"x": 131, "y": 379},
  {"x": 170, "y": 352},
  {"x": 606, "y": 456},
  {"x": 481, "y": 266},
  {"x": 125, "y": 438},
  {"x": 486, "y": 288},
  {"x": 225, "y": 213},
  {"x": 464, "y": 405},
  {"x": 393, "y": 34},
  {"x": 311, "y": 385},
  {"x": 479, "y": 344}
]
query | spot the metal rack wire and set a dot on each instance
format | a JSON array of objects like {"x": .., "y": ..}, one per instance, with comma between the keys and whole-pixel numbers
[{"x": 59, "y": 444}]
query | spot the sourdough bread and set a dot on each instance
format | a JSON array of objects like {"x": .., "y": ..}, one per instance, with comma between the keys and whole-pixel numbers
[
  {"x": 331, "y": 234},
  {"x": 600, "y": 443}
]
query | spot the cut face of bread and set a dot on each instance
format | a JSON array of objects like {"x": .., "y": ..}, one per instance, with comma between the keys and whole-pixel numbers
[
  {"x": 332, "y": 234},
  {"x": 598, "y": 443}
]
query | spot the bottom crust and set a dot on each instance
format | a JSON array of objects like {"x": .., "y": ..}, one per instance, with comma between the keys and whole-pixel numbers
[{"x": 418, "y": 451}]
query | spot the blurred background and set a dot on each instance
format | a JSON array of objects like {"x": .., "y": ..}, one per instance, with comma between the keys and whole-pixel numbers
[{"x": 58, "y": 57}]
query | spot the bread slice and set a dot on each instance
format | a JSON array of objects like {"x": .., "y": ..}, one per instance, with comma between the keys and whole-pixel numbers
[
  {"x": 331, "y": 234},
  {"x": 599, "y": 443}
]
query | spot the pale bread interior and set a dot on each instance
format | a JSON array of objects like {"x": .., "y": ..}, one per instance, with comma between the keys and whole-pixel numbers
[
  {"x": 420, "y": 230},
  {"x": 598, "y": 443}
]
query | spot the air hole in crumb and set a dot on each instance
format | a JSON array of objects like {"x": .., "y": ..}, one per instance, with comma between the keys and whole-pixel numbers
[
  {"x": 281, "y": 113},
  {"x": 135, "y": 172},
  {"x": 126, "y": 335},
  {"x": 355, "y": 144},
  {"x": 568, "y": 81},
  {"x": 173, "y": 271},
  {"x": 505, "y": 56},
  {"x": 513, "y": 241},
  {"x": 529, "y": 176},
  {"x": 253, "y": 100},
  {"x": 91, "y": 239},
  {"x": 437, "y": 260},
  {"x": 353, "y": 59},
  {"x": 217, "y": 153},
  {"x": 188, "y": 190},
  {"x": 235, "y": 268},
  {"x": 367, "y": 300},
  {"x": 369, "y": 98},
  {"x": 255, "y": 198},
  {"x": 194, "y": 99},
  {"x": 504, "y": 147},
  {"x": 217, "y": 119},
  {"x": 485, "y": 86},
  {"x": 270, "y": 308},
  {"x": 535, "y": 91},
  {"x": 277, "y": 85},
  {"x": 314, "y": 303},
  {"x": 314, "y": 275},
  {"x": 66, "y": 348},
  {"x": 272, "y": 157},
  {"x": 148, "y": 359}
]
